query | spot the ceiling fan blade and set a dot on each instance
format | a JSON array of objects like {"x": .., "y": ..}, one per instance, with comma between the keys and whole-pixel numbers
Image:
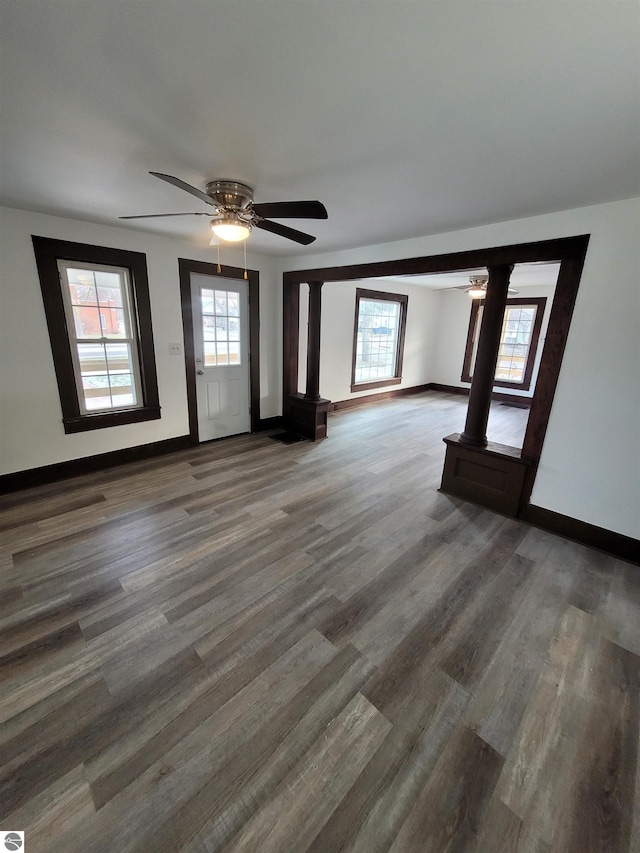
[
  {"x": 184, "y": 186},
  {"x": 467, "y": 289},
  {"x": 291, "y": 210},
  {"x": 285, "y": 231},
  {"x": 155, "y": 215}
]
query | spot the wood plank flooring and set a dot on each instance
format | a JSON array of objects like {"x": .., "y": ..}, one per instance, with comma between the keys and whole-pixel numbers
[{"x": 250, "y": 646}]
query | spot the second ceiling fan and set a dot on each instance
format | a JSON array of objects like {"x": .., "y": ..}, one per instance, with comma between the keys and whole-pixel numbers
[
  {"x": 236, "y": 214},
  {"x": 477, "y": 287}
]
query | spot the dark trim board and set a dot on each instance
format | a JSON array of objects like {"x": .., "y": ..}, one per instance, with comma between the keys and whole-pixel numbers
[
  {"x": 616, "y": 544},
  {"x": 336, "y": 406},
  {"x": 517, "y": 253},
  {"x": 88, "y": 464},
  {"x": 496, "y": 395}
]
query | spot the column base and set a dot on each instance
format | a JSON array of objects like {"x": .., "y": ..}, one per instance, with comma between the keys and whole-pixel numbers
[
  {"x": 308, "y": 417},
  {"x": 473, "y": 441},
  {"x": 492, "y": 476}
]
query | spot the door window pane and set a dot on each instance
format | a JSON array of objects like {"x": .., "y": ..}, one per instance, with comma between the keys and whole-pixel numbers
[{"x": 220, "y": 323}]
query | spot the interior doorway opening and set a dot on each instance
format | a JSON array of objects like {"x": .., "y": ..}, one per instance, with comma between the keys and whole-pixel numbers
[{"x": 567, "y": 253}]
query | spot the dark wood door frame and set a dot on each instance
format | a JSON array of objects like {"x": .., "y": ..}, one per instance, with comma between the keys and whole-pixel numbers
[
  {"x": 186, "y": 267},
  {"x": 569, "y": 252}
]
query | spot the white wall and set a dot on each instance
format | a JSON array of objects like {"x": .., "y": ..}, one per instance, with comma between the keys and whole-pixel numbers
[
  {"x": 590, "y": 465},
  {"x": 336, "y": 344},
  {"x": 453, "y": 312},
  {"x": 31, "y": 430}
]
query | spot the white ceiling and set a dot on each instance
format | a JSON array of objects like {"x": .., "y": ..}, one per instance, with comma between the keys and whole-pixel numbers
[
  {"x": 405, "y": 118},
  {"x": 522, "y": 275}
]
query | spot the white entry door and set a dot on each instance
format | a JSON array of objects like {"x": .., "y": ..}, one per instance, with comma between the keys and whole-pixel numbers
[{"x": 221, "y": 343}]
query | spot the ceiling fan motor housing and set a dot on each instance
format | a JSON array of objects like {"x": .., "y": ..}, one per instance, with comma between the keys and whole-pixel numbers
[{"x": 230, "y": 194}]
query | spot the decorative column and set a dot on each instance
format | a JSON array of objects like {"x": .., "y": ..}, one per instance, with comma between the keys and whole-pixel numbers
[
  {"x": 475, "y": 429},
  {"x": 313, "y": 341},
  {"x": 307, "y": 413},
  {"x": 475, "y": 469}
]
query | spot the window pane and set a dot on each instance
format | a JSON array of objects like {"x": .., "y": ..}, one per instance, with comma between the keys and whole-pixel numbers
[
  {"x": 92, "y": 358},
  {"x": 377, "y": 340},
  {"x": 86, "y": 322},
  {"x": 515, "y": 352},
  {"x": 234, "y": 329},
  {"x": 122, "y": 389},
  {"x": 210, "y": 354},
  {"x": 97, "y": 300},
  {"x": 112, "y": 322},
  {"x": 206, "y": 297},
  {"x": 220, "y": 300},
  {"x": 96, "y": 391},
  {"x": 82, "y": 287},
  {"x": 209, "y": 328},
  {"x": 109, "y": 285},
  {"x": 220, "y": 322},
  {"x": 119, "y": 358},
  {"x": 514, "y": 343}
]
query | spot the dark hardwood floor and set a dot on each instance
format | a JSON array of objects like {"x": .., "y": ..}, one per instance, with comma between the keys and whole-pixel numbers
[{"x": 250, "y": 646}]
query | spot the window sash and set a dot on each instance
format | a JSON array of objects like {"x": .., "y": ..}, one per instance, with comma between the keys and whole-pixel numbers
[
  {"x": 104, "y": 344},
  {"x": 513, "y": 315},
  {"x": 376, "y": 351},
  {"x": 378, "y": 339}
]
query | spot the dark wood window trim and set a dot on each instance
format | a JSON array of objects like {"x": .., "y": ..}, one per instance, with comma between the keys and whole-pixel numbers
[
  {"x": 381, "y": 296},
  {"x": 540, "y": 304},
  {"x": 185, "y": 268},
  {"x": 47, "y": 252}
]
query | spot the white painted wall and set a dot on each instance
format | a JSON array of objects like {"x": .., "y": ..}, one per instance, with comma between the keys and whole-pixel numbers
[
  {"x": 31, "y": 430},
  {"x": 453, "y": 313},
  {"x": 336, "y": 344},
  {"x": 590, "y": 465}
]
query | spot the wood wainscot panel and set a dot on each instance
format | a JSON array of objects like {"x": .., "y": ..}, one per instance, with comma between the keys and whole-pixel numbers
[{"x": 492, "y": 476}]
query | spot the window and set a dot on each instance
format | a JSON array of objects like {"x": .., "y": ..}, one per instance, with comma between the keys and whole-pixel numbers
[
  {"x": 378, "y": 339},
  {"x": 518, "y": 342},
  {"x": 99, "y": 318},
  {"x": 220, "y": 327}
]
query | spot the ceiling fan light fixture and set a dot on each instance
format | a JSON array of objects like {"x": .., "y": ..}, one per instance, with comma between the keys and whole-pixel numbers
[
  {"x": 478, "y": 289},
  {"x": 477, "y": 292},
  {"x": 231, "y": 228}
]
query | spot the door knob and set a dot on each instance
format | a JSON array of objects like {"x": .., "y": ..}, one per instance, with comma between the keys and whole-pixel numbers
[{"x": 201, "y": 373}]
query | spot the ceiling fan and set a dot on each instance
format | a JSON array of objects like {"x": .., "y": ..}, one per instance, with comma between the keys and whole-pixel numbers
[
  {"x": 478, "y": 288},
  {"x": 235, "y": 213}
]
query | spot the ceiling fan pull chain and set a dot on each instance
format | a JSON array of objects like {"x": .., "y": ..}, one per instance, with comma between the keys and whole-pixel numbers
[
  {"x": 218, "y": 248},
  {"x": 245, "y": 261}
]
